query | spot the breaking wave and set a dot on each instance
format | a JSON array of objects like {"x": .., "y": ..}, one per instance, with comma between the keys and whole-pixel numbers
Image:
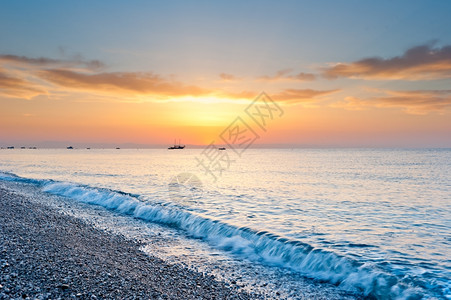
[{"x": 258, "y": 246}]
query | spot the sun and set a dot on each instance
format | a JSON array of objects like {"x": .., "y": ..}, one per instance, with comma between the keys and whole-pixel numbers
[{"x": 205, "y": 111}]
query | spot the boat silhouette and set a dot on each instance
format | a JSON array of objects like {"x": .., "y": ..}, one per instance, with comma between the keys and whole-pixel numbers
[{"x": 179, "y": 146}]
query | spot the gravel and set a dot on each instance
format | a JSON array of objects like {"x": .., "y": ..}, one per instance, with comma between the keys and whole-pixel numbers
[{"x": 45, "y": 254}]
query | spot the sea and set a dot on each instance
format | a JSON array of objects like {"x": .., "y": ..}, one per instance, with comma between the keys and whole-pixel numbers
[{"x": 291, "y": 223}]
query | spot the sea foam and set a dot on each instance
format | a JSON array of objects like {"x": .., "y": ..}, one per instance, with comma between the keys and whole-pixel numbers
[
  {"x": 262, "y": 247},
  {"x": 257, "y": 246}
]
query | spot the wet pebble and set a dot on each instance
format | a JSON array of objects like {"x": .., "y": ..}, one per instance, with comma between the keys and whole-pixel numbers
[{"x": 45, "y": 254}]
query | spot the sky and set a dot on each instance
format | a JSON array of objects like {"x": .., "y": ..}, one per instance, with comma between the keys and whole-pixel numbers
[{"x": 140, "y": 73}]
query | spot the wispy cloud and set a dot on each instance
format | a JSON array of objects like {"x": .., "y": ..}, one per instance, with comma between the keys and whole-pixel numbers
[
  {"x": 227, "y": 77},
  {"x": 125, "y": 82},
  {"x": 299, "y": 96},
  {"x": 93, "y": 65},
  {"x": 30, "y": 77},
  {"x": 26, "y": 77},
  {"x": 418, "y": 63},
  {"x": 14, "y": 86},
  {"x": 412, "y": 102},
  {"x": 286, "y": 75}
]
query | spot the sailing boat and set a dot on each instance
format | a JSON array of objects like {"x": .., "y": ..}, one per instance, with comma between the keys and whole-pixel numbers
[{"x": 179, "y": 146}]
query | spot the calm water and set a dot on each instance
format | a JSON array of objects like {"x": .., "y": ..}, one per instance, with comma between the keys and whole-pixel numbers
[{"x": 376, "y": 222}]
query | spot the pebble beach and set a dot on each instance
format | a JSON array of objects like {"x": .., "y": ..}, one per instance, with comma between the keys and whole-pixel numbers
[{"x": 45, "y": 254}]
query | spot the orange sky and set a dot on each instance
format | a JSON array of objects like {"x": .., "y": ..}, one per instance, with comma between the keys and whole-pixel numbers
[
  {"x": 148, "y": 122},
  {"x": 179, "y": 79}
]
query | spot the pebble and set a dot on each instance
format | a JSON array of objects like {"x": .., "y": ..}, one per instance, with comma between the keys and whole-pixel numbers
[{"x": 56, "y": 256}]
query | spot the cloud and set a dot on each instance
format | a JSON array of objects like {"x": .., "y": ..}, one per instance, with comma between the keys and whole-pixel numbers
[
  {"x": 250, "y": 95},
  {"x": 93, "y": 65},
  {"x": 417, "y": 63},
  {"x": 295, "y": 96},
  {"x": 125, "y": 82},
  {"x": 412, "y": 102},
  {"x": 285, "y": 75},
  {"x": 25, "y": 77},
  {"x": 12, "y": 86},
  {"x": 227, "y": 77}
]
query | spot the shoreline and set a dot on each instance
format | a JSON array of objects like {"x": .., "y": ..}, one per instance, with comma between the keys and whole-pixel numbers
[{"x": 47, "y": 254}]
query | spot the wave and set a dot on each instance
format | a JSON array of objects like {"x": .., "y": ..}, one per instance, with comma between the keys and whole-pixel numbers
[
  {"x": 263, "y": 247},
  {"x": 7, "y": 176}
]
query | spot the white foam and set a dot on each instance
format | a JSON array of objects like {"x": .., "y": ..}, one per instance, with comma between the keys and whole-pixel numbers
[{"x": 265, "y": 248}]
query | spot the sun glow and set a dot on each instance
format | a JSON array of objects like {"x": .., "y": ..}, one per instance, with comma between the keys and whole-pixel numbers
[
  {"x": 211, "y": 99},
  {"x": 204, "y": 111}
]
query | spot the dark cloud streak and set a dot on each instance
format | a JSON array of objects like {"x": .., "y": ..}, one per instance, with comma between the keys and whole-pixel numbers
[
  {"x": 16, "y": 87},
  {"x": 136, "y": 82},
  {"x": 295, "y": 96},
  {"x": 50, "y": 62},
  {"x": 413, "y": 102},
  {"x": 285, "y": 75},
  {"x": 417, "y": 63}
]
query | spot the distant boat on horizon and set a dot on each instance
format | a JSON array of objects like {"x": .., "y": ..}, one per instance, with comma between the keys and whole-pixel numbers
[
  {"x": 70, "y": 147},
  {"x": 176, "y": 147},
  {"x": 221, "y": 148}
]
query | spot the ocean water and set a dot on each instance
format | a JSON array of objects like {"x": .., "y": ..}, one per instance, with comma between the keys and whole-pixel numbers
[{"x": 371, "y": 222}]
